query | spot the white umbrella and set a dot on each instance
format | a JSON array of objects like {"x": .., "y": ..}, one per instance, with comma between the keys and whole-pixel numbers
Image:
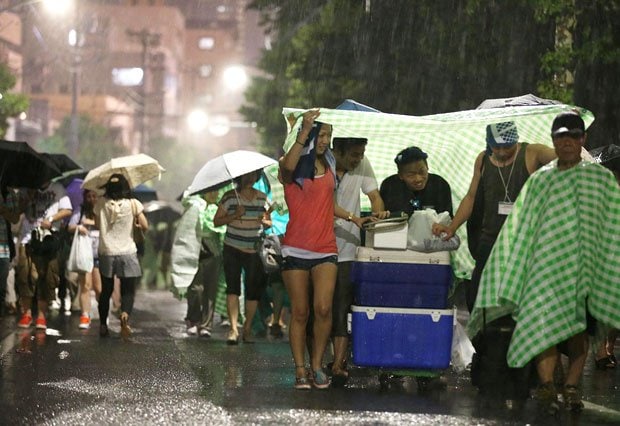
[
  {"x": 137, "y": 169},
  {"x": 221, "y": 170}
]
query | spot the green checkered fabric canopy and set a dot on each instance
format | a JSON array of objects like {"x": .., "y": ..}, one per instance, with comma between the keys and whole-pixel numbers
[{"x": 452, "y": 142}]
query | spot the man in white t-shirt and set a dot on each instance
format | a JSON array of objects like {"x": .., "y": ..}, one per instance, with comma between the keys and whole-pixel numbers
[
  {"x": 37, "y": 271},
  {"x": 354, "y": 175}
]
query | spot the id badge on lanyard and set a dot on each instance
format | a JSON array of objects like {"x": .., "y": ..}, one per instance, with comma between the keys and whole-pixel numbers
[{"x": 504, "y": 208}]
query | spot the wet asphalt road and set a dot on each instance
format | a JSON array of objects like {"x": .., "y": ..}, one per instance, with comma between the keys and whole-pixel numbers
[{"x": 163, "y": 376}]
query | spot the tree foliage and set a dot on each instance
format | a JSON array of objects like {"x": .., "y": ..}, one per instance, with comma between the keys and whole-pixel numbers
[
  {"x": 11, "y": 104},
  {"x": 181, "y": 164},
  {"x": 97, "y": 143},
  {"x": 431, "y": 56}
]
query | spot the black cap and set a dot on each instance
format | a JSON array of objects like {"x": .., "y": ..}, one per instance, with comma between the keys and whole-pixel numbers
[
  {"x": 410, "y": 155},
  {"x": 567, "y": 122}
]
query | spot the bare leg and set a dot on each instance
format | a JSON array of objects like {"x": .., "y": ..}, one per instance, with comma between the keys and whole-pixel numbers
[
  {"x": 232, "y": 305},
  {"x": 341, "y": 344},
  {"x": 96, "y": 279},
  {"x": 324, "y": 281},
  {"x": 577, "y": 354},
  {"x": 85, "y": 282},
  {"x": 278, "y": 300},
  {"x": 250, "y": 311},
  {"x": 297, "y": 283},
  {"x": 545, "y": 364}
]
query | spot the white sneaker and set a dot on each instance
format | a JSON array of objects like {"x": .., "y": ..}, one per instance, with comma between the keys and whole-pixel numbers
[
  {"x": 205, "y": 332},
  {"x": 192, "y": 331}
]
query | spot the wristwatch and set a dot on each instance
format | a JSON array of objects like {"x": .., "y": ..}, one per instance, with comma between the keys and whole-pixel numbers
[
  {"x": 350, "y": 217},
  {"x": 50, "y": 219}
]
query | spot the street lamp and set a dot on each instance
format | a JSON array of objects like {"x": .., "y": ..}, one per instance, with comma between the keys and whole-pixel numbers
[
  {"x": 197, "y": 121},
  {"x": 235, "y": 77},
  {"x": 58, "y": 7}
]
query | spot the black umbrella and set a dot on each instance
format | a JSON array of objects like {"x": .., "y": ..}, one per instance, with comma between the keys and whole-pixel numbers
[
  {"x": 22, "y": 166},
  {"x": 144, "y": 194},
  {"x": 63, "y": 162},
  {"x": 160, "y": 211},
  {"x": 66, "y": 178},
  {"x": 608, "y": 156}
]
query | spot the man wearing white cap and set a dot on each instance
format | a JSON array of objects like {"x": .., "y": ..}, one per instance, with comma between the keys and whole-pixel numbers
[
  {"x": 555, "y": 265},
  {"x": 499, "y": 174}
]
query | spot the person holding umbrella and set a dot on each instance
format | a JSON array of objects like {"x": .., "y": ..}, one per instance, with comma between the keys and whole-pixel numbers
[
  {"x": 244, "y": 211},
  {"x": 37, "y": 271},
  {"x": 116, "y": 214}
]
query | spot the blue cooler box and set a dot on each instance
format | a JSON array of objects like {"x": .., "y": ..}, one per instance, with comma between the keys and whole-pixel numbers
[
  {"x": 401, "y": 278},
  {"x": 402, "y": 338}
]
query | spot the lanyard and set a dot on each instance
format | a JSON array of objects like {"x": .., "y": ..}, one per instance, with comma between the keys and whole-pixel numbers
[{"x": 506, "y": 183}]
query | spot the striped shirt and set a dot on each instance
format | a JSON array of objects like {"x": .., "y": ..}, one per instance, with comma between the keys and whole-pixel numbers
[{"x": 244, "y": 233}]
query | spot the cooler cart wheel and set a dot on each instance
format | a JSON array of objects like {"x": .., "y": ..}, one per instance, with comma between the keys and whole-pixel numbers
[
  {"x": 423, "y": 383},
  {"x": 384, "y": 381}
]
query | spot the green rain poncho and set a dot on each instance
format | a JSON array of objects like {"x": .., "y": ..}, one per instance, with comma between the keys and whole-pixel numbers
[
  {"x": 559, "y": 247},
  {"x": 195, "y": 225}
]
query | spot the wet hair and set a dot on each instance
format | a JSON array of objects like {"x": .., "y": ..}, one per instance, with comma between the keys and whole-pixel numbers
[
  {"x": 410, "y": 155},
  {"x": 87, "y": 209},
  {"x": 117, "y": 187},
  {"x": 342, "y": 145}
]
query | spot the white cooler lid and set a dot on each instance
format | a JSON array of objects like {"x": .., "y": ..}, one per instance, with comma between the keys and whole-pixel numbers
[
  {"x": 435, "y": 314},
  {"x": 368, "y": 254}
]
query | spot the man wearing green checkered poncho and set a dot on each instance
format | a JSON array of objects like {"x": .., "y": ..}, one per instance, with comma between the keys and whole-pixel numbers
[{"x": 556, "y": 264}]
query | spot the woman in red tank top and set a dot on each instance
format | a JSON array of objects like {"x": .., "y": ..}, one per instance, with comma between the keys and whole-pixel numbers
[{"x": 309, "y": 245}]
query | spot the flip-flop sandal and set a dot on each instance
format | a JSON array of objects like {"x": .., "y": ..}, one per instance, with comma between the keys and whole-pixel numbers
[
  {"x": 339, "y": 380},
  {"x": 606, "y": 363}
]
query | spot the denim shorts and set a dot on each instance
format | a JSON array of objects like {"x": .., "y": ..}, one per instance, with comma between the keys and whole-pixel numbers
[{"x": 291, "y": 262}]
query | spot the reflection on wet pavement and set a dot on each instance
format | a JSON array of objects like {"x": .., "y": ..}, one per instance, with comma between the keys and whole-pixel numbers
[{"x": 164, "y": 376}]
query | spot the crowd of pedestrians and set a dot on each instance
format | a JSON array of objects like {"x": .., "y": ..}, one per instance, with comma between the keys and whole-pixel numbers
[{"x": 521, "y": 196}]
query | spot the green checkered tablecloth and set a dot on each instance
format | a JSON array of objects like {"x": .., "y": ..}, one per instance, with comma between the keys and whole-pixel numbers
[
  {"x": 452, "y": 142},
  {"x": 559, "y": 246}
]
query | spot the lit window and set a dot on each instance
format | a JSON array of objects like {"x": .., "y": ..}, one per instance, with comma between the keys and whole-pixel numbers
[
  {"x": 127, "y": 76},
  {"x": 206, "y": 70},
  {"x": 206, "y": 43}
]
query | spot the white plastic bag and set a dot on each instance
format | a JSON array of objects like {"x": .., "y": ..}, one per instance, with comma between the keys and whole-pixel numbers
[
  {"x": 420, "y": 235},
  {"x": 81, "y": 254},
  {"x": 462, "y": 349}
]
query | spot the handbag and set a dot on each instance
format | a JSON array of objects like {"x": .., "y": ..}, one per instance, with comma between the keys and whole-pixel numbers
[
  {"x": 44, "y": 243},
  {"x": 81, "y": 254},
  {"x": 138, "y": 232},
  {"x": 270, "y": 253}
]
